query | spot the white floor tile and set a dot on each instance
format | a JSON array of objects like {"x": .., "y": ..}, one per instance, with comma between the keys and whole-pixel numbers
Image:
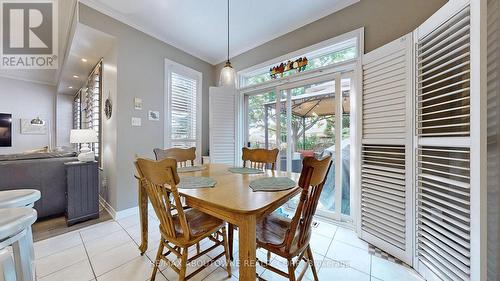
[
  {"x": 111, "y": 259},
  {"x": 352, "y": 256},
  {"x": 219, "y": 274},
  {"x": 112, "y": 247},
  {"x": 325, "y": 229},
  {"x": 138, "y": 269},
  {"x": 332, "y": 271},
  {"x": 107, "y": 242},
  {"x": 350, "y": 237},
  {"x": 129, "y": 221},
  {"x": 60, "y": 260},
  {"x": 56, "y": 244},
  {"x": 100, "y": 230},
  {"x": 191, "y": 267},
  {"x": 388, "y": 271},
  {"x": 319, "y": 243},
  {"x": 80, "y": 271}
]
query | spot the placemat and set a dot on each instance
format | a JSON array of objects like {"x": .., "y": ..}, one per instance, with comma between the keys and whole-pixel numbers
[
  {"x": 272, "y": 184},
  {"x": 244, "y": 170},
  {"x": 196, "y": 182},
  {"x": 190, "y": 169}
]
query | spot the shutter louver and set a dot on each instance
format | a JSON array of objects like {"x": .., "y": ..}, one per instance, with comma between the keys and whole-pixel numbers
[
  {"x": 443, "y": 197},
  {"x": 183, "y": 110},
  {"x": 383, "y": 193},
  {"x": 222, "y": 121},
  {"x": 386, "y": 141},
  {"x": 443, "y": 99},
  {"x": 443, "y": 170}
]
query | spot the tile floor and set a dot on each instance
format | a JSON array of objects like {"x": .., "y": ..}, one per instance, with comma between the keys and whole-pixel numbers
[{"x": 108, "y": 251}]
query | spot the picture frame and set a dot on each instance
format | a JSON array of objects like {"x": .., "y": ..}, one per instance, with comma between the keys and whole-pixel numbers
[{"x": 154, "y": 115}]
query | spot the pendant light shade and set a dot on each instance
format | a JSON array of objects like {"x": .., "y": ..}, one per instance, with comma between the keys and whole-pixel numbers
[{"x": 227, "y": 74}]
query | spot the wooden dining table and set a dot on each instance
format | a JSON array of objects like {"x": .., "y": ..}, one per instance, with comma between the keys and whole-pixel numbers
[{"x": 233, "y": 201}]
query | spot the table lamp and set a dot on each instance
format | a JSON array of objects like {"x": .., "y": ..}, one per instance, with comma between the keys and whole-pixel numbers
[{"x": 84, "y": 137}]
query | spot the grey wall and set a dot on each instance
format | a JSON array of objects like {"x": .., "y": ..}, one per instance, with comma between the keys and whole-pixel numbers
[
  {"x": 26, "y": 100},
  {"x": 384, "y": 21},
  {"x": 140, "y": 73},
  {"x": 64, "y": 119},
  {"x": 109, "y": 187}
]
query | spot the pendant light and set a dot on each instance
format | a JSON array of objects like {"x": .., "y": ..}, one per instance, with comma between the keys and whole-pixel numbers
[{"x": 227, "y": 74}]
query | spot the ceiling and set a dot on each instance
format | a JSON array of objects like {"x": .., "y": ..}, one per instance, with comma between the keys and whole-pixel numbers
[
  {"x": 186, "y": 23},
  {"x": 88, "y": 44},
  {"x": 66, "y": 10}
]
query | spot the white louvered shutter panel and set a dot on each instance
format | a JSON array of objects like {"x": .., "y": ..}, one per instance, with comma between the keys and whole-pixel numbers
[
  {"x": 222, "y": 123},
  {"x": 183, "y": 111},
  {"x": 386, "y": 148},
  {"x": 444, "y": 176},
  {"x": 493, "y": 123}
]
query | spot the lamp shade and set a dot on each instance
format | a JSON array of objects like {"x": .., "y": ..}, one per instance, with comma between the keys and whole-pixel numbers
[
  {"x": 227, "y": 76},
  {"x": 83, "y": 136}
]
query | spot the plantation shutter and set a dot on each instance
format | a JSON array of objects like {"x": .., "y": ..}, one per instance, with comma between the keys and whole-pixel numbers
[
  {"x": 183, "y": 110},
  {"x": 444, "y": 138},
  {"x": 386, "y": 148},
  {"x": 222, "y": 123}
]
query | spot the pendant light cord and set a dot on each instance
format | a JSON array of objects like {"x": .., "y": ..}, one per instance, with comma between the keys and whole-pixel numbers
[{"x": 227, "y": 30}]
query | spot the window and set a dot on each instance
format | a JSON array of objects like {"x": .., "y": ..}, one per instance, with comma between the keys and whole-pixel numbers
[
  {"x": 87, "y": 107},
  {"x": 321, "y": 57},
  {"x": 183, "y": 107}
]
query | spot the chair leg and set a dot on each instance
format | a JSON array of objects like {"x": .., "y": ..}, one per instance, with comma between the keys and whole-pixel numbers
[
  {"x": 311, "y": 261},
  {"x": 226, "y": 252},
  {"x": 291, "y": 270},
  {"x": 22, "y": 258},
  {"x": 268, "y": 257},
  {"x": 230, "y": 238},
  {"x": 182, "y": 271},
  {"x": 157, "y": 260},
  {"x": 198, "y": 248},
  {"x": 7, "y": 266}
]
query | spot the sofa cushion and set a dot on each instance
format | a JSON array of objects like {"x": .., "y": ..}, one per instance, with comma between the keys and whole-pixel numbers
[{"x": 40, "y": 155}]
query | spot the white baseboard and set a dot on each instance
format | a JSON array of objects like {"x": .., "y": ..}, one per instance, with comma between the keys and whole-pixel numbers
[{"x": 117, "y": 215}]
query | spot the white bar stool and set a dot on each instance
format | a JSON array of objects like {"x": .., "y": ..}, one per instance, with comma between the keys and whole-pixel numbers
[
  {"x": 15, "y": 223},
  {"x": 7, "y": 267},
  {"x": 21, "y": 198},
  {"x": 18, "y": 198}
]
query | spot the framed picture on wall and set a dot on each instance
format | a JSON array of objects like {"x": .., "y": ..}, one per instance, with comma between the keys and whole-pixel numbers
[
  {"x": 5, "y": 130},
  {"x": 154, "y": 115},
  {"x": 29, "y": 129}
]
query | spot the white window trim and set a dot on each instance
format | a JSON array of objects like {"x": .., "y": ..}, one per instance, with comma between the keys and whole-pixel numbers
[
  {"x": 357, "y": 33},
  {"x": 171, "y": 66},
  {"x": 353, "y": 67}
]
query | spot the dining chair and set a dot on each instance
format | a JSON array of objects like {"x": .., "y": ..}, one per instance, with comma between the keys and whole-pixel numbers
[
  {"x": 289, "y": 238},
  {"x": 179, "y": 228},
  {"x": 257, "y": 158},
  {"x": 184, "y": 156}
]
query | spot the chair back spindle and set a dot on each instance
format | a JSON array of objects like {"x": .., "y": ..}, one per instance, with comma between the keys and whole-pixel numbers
[
  {"x": 184, "y": 156},
  {"x": 312, "y": 180},
  {"x": 160, "y": 179},
  {"x": 259, "y": 158}
]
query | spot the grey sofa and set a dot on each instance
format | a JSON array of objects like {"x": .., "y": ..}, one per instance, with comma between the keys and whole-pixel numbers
[{"x": 42, "y": 171}]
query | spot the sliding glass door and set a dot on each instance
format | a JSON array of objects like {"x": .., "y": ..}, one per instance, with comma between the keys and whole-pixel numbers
[{"x": 301, "y": 120}]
